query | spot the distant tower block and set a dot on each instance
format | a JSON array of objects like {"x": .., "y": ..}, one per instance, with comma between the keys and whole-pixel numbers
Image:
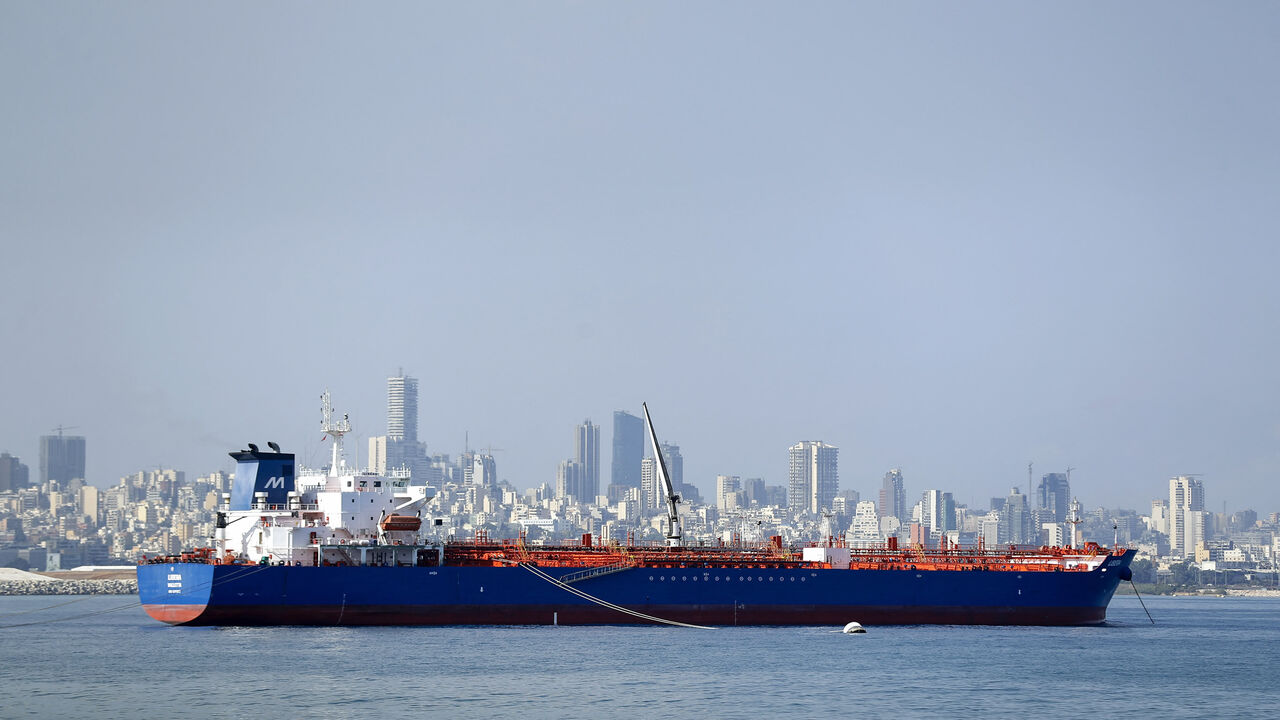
[
  {"x": 814, "y": 476},
  {"x": 586, "y": 441},
  {"x": 402, "y": 408}
]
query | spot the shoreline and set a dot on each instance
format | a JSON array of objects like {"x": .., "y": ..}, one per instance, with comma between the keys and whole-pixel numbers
[
  {"x": 68, "y": 582},
  {"x": 1208, "y": 593}
]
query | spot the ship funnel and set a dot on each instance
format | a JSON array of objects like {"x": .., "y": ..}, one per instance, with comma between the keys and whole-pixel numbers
[{"x": 267, "y": 476}]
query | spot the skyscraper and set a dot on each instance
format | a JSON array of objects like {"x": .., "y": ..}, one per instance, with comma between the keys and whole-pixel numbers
[
  {"x": 1187, "y": 517},
  {"x": 1015, "y": 520},
  {"x": 569, "y": 481},
  {"x": 400, "y": 447},
  {"x": 13, "y": 474},
  {"x": 814, "y": 477},
  {"x": 586, "y": 441},
  {"x": 402, "y": 408},
  {"x": 893, "y": 496},
  {"x": 1053, "y": 495},
  {"x": 628, "y": 449},
  {"x": 61, "y": 457},
  {"x": 484, "y": 470}
]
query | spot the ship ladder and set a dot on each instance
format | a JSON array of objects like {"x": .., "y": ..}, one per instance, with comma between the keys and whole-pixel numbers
[
  {"x": 604, "y": 603},
  {"x": 595, "y": 572}
]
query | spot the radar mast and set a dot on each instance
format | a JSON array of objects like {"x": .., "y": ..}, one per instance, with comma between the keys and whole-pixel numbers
[{"x": 334, "y": 429}]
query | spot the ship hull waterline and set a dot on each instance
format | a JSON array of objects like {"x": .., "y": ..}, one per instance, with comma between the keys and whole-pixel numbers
[{"x": 197, "y": 594}]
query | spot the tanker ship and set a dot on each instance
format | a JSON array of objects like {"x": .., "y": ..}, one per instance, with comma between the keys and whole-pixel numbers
[{"x": 347, "y": 547}]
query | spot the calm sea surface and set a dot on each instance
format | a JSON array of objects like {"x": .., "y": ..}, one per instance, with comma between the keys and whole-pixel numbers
[{"x": 1204, "y": 657}]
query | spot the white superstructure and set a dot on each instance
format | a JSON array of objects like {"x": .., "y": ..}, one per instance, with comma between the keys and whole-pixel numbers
[{"x": 336, "y": 515}]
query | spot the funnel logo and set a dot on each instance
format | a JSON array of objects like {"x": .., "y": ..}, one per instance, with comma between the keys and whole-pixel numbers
[{"x": 272, "y": 475}]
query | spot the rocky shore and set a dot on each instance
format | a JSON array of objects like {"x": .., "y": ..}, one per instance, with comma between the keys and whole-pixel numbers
[{"x": 18, "y": 582}]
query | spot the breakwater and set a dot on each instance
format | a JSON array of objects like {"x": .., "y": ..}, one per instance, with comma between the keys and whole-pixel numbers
[{"x": 69, "y": 587}]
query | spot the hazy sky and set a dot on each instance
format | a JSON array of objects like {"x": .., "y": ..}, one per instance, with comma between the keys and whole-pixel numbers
[{"x": 946, "y": 237}]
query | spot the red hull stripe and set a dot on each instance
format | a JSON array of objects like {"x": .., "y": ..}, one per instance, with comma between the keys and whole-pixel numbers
[{"x": 174, "y": 614}]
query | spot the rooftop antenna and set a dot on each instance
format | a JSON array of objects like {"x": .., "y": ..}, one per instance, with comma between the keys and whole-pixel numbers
[
  {"x": 1030, "y": 483},
  {"x": 335, "y": 429}
]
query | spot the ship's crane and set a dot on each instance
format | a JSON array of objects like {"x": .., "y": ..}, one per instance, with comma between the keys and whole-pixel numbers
[{"x": 673, "y": 500}]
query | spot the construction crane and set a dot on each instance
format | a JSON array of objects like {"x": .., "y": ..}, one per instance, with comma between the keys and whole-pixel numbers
[{"x": 60, "y": 428}]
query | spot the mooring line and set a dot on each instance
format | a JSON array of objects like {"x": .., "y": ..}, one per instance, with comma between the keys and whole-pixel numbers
[{"x": 1144, "y": 605}]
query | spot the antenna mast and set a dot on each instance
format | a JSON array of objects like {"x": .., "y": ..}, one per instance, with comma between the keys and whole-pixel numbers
[
  {"x": 1075, "y": 521},
  {"x": 334, "y": 429},
  {"x": 673, "y": 500}
]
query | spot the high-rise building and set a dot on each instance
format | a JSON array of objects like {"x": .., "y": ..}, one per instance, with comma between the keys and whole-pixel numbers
[
  {"x": 893, "y": 495},
  {"x": 1015, "y": 519},
  {"x": 864, "y": 531},
  {"x": 654, "y": 495},
  {"x": 61, "y": 457},
  {"x": 484, "y": 470},
  {"x": 628, "y": 449},
  {"x": 726, "y": 485},
  {"x": 937, "y": 512},
  {"x": 1053, "y": 495},
  {"x": 649, "y": 490},
  {"x": 402, "y": 408},
  {"x": 586, "y": 451},
  {"x": 88, "y": 502},
  {"x": 1187, "y": 518},
  {"x": 400, "y": 448},
  {"x": 814, "y": 476},
  {"x": 569, "y": 482},
  {"x": 1160, "y": 516},
  {"x": 14, "y": 475}
]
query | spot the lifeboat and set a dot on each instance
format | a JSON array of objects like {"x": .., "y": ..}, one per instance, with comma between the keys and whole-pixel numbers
[{"x": 395, "y": 523}]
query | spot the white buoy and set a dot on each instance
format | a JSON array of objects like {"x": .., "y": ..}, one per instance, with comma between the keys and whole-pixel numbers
[{"x": 853, "y": 627}]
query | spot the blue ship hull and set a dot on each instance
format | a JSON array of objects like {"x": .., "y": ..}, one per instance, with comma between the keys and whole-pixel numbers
[{"x": 200, "y": 594}]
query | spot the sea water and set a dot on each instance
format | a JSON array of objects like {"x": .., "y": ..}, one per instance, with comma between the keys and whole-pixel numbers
[{"x": 102, "y": 657}]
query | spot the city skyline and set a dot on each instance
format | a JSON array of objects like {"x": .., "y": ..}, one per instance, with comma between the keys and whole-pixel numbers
[
  {"x": 953, "y": 242},
  {"x": 158, "y": 511},
  {"x": 1051, "y": 494}
]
